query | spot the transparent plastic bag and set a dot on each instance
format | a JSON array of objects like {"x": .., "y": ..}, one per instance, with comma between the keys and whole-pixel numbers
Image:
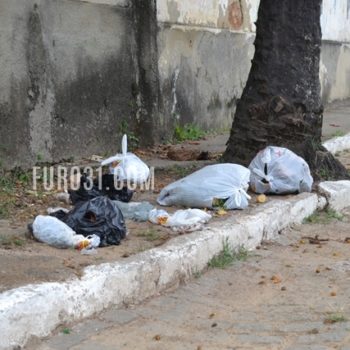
[
  {"x": 277, "y": 170},
  {"x": 127, "y": 166},
  {"x": 227, "y": 182},
  {"x": 187, "y": 220},
  {"x": 54, "y": 232}
]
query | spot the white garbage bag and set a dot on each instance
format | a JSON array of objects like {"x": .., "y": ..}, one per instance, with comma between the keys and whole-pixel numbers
[
  {"x": 228, "y": 182},
  {"x": 127, "y": 166},
  {"x": 280, "y": 171},
  {"x": 187, "y": 220},
  {"x": 52, "y": 231}
]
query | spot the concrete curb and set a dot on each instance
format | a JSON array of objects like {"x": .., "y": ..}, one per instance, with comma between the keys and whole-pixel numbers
[
  {"x": 338, "y": 144},
  {"x": 36, "y": 310}
]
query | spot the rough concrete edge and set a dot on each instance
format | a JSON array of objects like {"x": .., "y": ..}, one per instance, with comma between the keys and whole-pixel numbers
[
  {"x": 36, "y": 310},
  {"x": 337, "y": 193},
  {"x": 337, "y": 144}
]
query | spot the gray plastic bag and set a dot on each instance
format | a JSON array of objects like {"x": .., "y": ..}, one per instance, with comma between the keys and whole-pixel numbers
[
  {"x": 277, "y": 170},
  {"x": 228, "y": 182}
]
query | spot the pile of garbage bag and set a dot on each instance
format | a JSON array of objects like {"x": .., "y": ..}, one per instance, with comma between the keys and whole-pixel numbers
[
  {"x": 100, "y": 209},
  {"x": 90, "y": 189}
]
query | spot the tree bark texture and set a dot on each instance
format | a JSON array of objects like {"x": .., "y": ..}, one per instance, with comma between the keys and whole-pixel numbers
[{"x": 281, "y": 102}]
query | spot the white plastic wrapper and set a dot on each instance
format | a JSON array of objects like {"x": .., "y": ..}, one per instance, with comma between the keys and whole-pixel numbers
[
  {"x": 227, "y": 182},
  {"x": 128, "y": 167},
  {"x": 277, "y": 170},
  {"x": 52, "y": 231},
  {"x": 187, "y": 220}
]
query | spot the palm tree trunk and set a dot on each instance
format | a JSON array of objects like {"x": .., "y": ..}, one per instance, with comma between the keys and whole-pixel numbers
[{"x": 281, "y": 103}]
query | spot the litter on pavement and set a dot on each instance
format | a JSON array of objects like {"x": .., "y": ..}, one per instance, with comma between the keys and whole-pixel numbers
[
  {"x": 226, "y": 183},
  {"x": 187, "y": 220},
  {"x": 52, "y": 231},
  {"x": 277, "y": 170},
  {"x": 127, "y": 166},
  {"x": 90, "y": 189},
  {"x": 137, "y": 211},
  {"x": 100, "y": 216}
]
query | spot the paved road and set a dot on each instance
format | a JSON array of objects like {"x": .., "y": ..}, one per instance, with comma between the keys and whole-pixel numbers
[{"x": 284, "y": 296}]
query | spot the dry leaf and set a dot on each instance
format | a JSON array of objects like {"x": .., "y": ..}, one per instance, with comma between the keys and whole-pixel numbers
[
  {"x": 156, "y": 337},
  {"x": 261, "y": 198},
  {"x": 276, "y": 279},
  {"x": 333, "y": 294},
  {"x": 221, "y": 212}
]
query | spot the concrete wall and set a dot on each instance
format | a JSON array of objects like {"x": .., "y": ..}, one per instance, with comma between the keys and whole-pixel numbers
[
  {"x": 67, "y": 70},
  {"x": 205, "y": 49}
]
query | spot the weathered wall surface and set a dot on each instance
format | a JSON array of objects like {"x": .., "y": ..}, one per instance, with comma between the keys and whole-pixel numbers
[
  {"x": 205, "y": 48},
  {"x": 75, "y": 74},
  {"x": 67, "y": 71}
]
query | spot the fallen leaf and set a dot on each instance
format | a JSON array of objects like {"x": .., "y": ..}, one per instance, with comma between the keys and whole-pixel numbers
[
  {"x": 318, "y": 270},
  {"x": 276, "y": 279},
  {"x": 221, "y": 212},
  {"x": 212, "y": 315},
  {"x": 214, "y": 324},
  {"x": 333, "y": 294},
  {"x": 261, "y": 198},
  {"x": 283, "y": 288},
  {"x": 156, "y": 337}
]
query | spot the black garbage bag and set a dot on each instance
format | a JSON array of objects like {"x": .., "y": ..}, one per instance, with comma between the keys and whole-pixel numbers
[
  {"x": 91, "y": 189},
  {"x": 100, "y": 216}
]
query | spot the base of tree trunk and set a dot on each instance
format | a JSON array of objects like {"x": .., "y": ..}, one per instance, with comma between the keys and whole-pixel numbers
[{"x": 272, "y": 123}]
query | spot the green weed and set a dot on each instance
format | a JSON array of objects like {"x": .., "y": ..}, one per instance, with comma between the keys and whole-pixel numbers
[
  {"x": 324, "y": 217},
  {"x": 228, "y": 256},
  {"x": 150, "y": 235},
  {"x": 338, "y": 133},
  {"x": 334, "y": 318},
  {"x": 188, "y": 132},
  {"x": 66, "y": 330}
]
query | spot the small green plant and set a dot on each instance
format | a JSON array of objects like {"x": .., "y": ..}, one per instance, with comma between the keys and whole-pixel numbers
[
  {"x": 6, "y": 241},
  {"x": 338, "y": 133},
  {"x": 196, "y": 274},
  {"x": 150, "y": 235},
  {"x": 323, "y": 217},
  {"x": 133, "y": 140},
  {"x": 228, "y": 256},
  {"x": 335, "y": 317},
  {"x": 181, "y": 171},
  {"x": 66, "y": 330},
  {"x": 188, "y": 132}
]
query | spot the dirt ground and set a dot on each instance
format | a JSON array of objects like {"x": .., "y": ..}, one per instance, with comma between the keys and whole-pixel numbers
[{"x": 24, "y": 260}]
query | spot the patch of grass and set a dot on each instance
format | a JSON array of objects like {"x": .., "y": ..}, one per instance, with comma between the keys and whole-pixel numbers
[
  {"x": 338, "y": 133},
  {"x": 150, "y": 235},
  {"x": 324, "y": 217},
  {"x": 197, "y": 274},
  {"x": 66, "y": 330},
  {"x": 334, "y": 318},
  {"x": 228, "y": 256},
  {"x": 181, "y": 171},
  {"x": 188, "y": 132},
  {"x": 133, "y": 140},
  {"x": 10, "y": 241}
]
